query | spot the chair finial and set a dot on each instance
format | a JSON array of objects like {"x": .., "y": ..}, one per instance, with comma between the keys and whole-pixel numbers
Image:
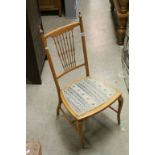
[{"x": 80, "y": 16}]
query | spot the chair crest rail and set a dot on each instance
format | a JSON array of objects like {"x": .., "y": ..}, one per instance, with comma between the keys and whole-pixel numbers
[{"x": 62, "y": 29}]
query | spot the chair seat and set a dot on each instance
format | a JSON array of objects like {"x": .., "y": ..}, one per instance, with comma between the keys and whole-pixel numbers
[{"x": 88, "y": 94}]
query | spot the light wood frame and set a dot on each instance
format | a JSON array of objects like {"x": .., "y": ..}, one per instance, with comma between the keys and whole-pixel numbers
[{"x": 78, "y": 120}]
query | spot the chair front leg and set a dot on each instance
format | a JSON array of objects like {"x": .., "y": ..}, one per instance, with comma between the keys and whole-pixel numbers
[
  {"x": 80, "y": 131},
  {"x": 120, "y": 105}
]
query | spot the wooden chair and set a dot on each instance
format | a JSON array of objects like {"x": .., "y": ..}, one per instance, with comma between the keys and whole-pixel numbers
[{"x": 83, "y": 98}]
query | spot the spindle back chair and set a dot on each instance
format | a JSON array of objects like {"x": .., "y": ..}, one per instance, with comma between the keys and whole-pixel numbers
[{"x": 80, "y": 107}]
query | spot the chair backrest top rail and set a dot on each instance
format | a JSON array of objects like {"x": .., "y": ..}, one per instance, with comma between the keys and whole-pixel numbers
[{"x": 61, "y": 29}]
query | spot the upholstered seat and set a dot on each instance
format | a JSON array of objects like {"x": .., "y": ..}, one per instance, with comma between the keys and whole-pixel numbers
[{"x": 87, "y": 94}]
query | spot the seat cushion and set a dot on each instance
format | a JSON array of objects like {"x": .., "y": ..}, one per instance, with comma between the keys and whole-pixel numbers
[{"x": 87, "y": 94}]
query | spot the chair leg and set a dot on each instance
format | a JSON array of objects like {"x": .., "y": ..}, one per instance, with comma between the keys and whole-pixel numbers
[
  {"x": 58, "y": 107},
  {"x": 120, "y": 105},
  {"x": 80, "y": 131}
]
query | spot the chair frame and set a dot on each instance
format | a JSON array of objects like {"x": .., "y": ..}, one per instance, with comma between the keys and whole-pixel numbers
[{"x": 77, "y": 123}]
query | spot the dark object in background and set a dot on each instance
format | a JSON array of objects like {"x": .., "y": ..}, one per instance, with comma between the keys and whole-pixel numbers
[
  {"x": 35, "y": 55},
  {"x": 120, "y": 13},
  {"x": 125, "y": 58},
  {"x": 72, "y": 8},
  {"x": 51, "y": 5}
]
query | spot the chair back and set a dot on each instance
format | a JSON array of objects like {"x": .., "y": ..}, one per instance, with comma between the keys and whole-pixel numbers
[{"x": 64, "y": 41}]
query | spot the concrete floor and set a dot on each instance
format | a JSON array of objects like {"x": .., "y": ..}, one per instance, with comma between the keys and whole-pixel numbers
[{"x": 102, "y": 134}]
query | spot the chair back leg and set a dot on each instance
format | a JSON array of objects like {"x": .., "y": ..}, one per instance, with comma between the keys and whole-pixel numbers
[
  {"x": 59, "y": 106},
  {"x": 120, "y": 105}
]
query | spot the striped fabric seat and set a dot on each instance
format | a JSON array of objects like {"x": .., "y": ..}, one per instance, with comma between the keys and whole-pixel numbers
[{"x": 87, "y": 94}]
